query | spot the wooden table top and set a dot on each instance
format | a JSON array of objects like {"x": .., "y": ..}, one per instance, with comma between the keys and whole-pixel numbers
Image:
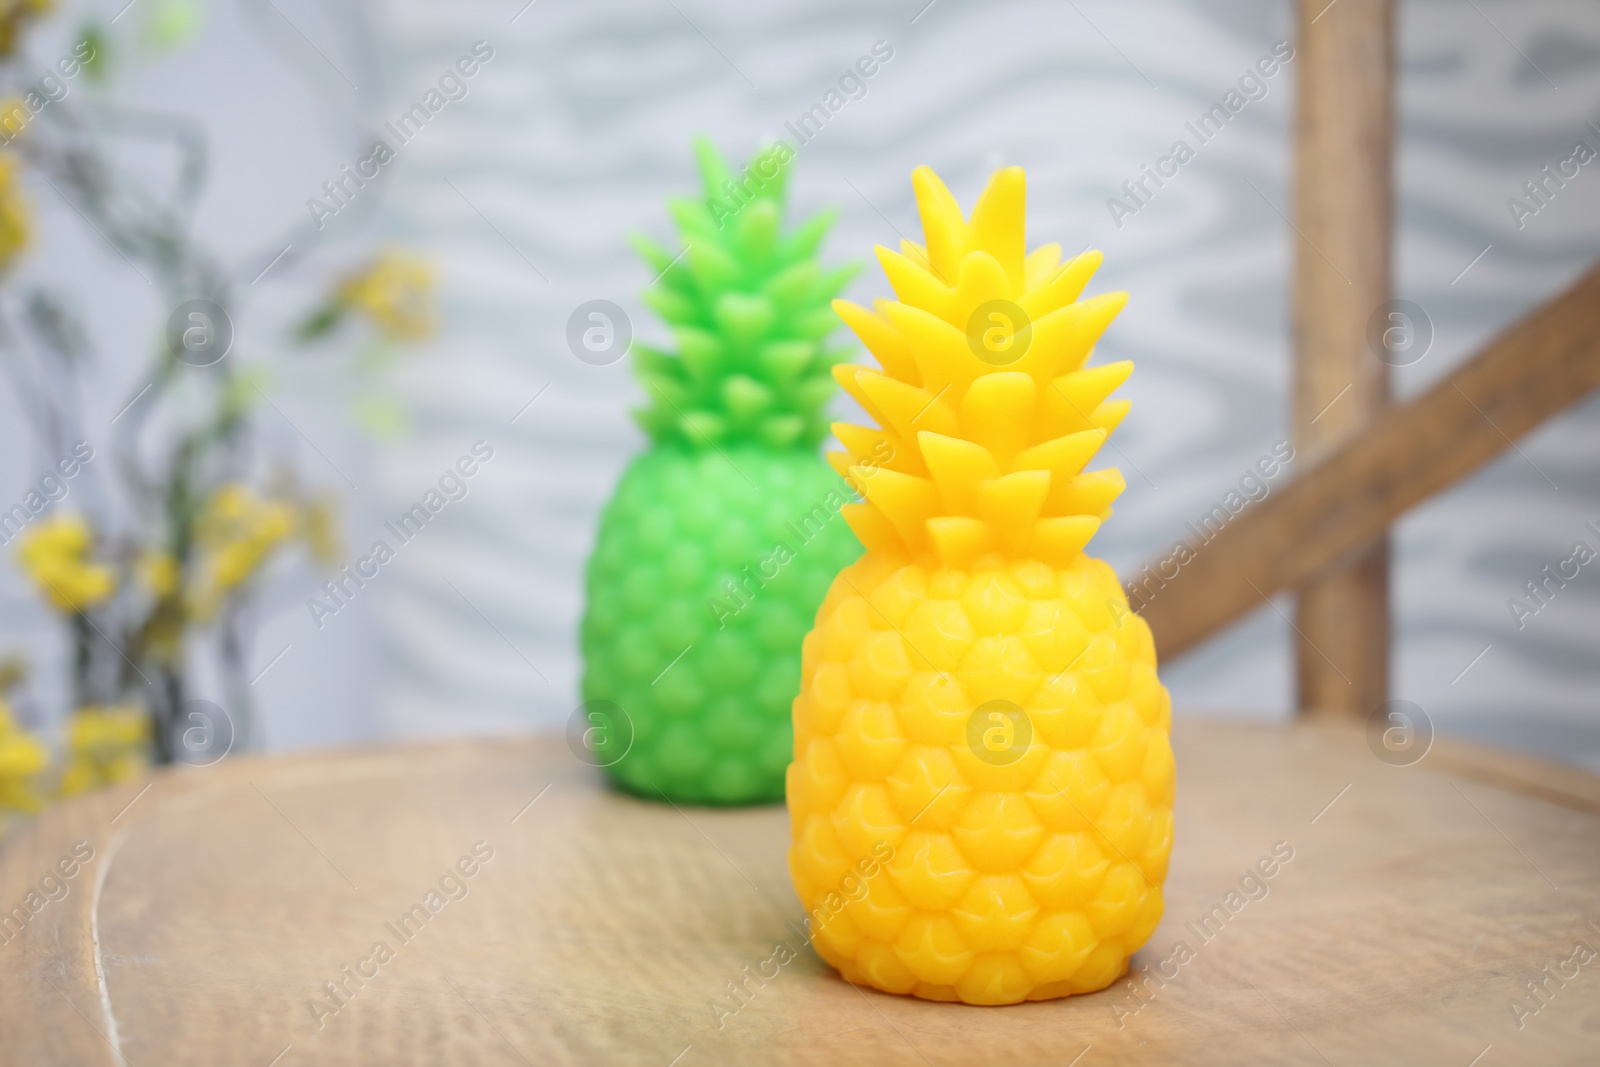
[{"x": 552, "y": 921}]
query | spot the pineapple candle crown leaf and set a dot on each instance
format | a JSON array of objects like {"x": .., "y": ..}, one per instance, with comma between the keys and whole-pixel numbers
[
  {"x": 984, "y": 403},
  {"x": 747, "y": 302}
]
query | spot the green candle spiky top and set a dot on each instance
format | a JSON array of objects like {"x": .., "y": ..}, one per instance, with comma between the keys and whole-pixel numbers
[
  {"x": 749, "y": 306},
  {"x": 721, "y": 540}
]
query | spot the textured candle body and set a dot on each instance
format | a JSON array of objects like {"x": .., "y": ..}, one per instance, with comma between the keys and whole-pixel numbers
[
  {"x": 981, "y": 797},
  {"x": 701, "y": 586},
  {"x": 720, "y": 541}
]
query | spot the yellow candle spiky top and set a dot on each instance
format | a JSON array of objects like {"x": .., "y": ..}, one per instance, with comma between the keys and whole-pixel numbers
[
  {"x": 981, "y": 795},
  {"x": 987, "y": 449}
]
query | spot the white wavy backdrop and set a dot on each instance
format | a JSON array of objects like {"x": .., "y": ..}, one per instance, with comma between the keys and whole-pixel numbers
[{"x": 579, "y": 127}]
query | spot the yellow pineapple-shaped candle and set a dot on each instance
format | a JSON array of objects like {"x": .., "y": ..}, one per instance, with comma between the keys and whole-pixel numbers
[{"x": 981, "y": 795}]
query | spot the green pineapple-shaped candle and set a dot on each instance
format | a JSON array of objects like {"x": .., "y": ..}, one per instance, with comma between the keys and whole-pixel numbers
[{"x": 721, "y": 540}]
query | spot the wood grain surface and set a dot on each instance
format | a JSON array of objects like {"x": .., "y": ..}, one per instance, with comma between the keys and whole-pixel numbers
[
  {"x": 1535, "y": 369},
  {"x": 607, "y": 930},
  {"x": 1344, "y": 211}
]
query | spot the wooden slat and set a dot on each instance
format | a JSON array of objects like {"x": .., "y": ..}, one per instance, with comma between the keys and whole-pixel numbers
[
  {"x": 1565, "y": 784},
  {"x": 1544, "y": 363},
  {"x": 1343, "y": 211},
  {"x": 1568, "y": 785}
]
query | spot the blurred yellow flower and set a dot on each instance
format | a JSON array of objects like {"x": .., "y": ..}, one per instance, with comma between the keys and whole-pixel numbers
[
  {"x": 22, "y": 759},
  {"x": 16, "y": 224},
  {"x": 13, "y": 670},
  {"x": 395, "y": 291},
  {"x": 55, "y": 554},
  {"x": 14, "y": 14},
  {"x": 236, "y": 532},
  {"x": 14, "y": 117},
  {"x": 173, "y": 23},
  {"x": 105, "y": 746},
  {"x": 321, "y": 520},
  {"x": 159, "y": 572}
]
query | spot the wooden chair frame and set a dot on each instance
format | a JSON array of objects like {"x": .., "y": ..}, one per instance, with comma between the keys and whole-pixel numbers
[{"x": 1325, "y": 535}]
